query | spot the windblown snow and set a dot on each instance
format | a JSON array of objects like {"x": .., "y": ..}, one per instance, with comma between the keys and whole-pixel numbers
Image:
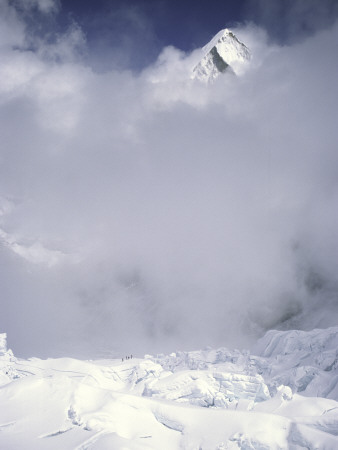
[{"x": 283, "y": 395}]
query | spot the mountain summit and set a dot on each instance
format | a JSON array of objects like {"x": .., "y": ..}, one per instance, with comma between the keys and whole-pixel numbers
[{"x": 224, "y": 53}]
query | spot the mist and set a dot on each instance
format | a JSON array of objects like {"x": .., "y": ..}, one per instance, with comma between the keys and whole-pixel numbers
[{"x": 147, "y": 212}]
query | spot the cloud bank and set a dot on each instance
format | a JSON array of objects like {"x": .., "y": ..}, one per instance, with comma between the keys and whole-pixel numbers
[{"x": 149, "y": 212}]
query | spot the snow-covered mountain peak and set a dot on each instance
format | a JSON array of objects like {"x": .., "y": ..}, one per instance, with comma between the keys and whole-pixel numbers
[{"x": 223, "y": 53}]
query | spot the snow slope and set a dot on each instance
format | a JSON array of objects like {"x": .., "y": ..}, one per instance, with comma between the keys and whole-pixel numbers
[
  {"x": 283, "y": 396},
  {"x": 223, "y": 53}
]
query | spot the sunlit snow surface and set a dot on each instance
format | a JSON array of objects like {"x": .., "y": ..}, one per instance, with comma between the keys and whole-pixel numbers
[{"x": 284, "y": 395}]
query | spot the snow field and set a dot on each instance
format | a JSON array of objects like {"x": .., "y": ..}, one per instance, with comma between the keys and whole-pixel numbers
[{"x": 211, "y": 399}]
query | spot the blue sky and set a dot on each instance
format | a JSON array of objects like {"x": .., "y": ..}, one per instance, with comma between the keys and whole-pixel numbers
[
  {"x": 185, "y": 24},
  {"x": 143, "y": 27},
  {"x": 130, "y": 34}
]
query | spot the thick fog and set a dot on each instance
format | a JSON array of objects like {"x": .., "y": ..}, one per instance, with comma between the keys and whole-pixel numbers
[{"x": 148, "y": 212}]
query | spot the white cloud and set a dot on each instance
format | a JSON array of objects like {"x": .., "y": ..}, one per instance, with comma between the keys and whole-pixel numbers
[
  {"x": 45, "y": 6},
  {"x": 11, "y": 29},
  {"x": 196, "y": 214}
]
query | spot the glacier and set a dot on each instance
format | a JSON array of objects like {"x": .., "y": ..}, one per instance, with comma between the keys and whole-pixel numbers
[{"x": 282, "y": 394}]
